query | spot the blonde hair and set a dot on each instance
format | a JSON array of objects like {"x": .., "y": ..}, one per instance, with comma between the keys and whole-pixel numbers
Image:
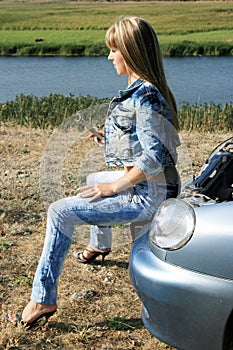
[{"x": 137, "y": 41}]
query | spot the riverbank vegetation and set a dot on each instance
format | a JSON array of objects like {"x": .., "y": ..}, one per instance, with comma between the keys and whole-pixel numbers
[
  {"x": 78, "y": 28},
  {"x": 51, "y": 111}
]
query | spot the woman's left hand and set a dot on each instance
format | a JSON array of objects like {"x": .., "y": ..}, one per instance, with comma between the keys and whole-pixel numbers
[{"x": 97, "y": 191}]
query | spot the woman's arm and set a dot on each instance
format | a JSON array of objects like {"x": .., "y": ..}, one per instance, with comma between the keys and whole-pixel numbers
[{"x": 131, "y": 177}]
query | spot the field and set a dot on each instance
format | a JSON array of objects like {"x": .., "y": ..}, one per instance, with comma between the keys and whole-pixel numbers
[
  {"x": 98, "y": 307},
  {"x": 78, "y": 28}
]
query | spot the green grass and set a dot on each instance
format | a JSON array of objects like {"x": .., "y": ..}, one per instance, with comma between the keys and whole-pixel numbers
[
  {"x": 5, "y": 244},
  {"x": 167, "y": 17},
  {"x": 62, "y": 37},
  {"x": 23, "y": 281},
  {"x": 79, "y": 28},
  {"x": 57, "y": 42}
]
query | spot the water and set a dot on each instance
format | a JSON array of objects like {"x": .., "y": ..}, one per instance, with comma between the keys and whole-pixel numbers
[{"x": 192, "y": 79}]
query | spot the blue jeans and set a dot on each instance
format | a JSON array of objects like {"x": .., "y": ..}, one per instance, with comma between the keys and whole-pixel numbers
[{"x": 134, "y": 205}]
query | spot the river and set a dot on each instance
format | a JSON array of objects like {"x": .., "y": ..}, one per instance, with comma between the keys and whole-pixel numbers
[{"x": 192, "y": 79}]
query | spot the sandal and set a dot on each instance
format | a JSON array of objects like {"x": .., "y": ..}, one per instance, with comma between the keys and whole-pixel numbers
[
  {"x": 79, "y": 256},
  {"x": 20, "y": 321}
]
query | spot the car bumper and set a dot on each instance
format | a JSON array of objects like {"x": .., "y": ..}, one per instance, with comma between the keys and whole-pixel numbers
[{"x": 183, "y": 308}]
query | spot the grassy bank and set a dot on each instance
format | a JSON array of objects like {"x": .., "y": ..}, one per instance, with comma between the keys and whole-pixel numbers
[
  {"x": 51, "y": 111},
  {"x": 67, "y": 28}
]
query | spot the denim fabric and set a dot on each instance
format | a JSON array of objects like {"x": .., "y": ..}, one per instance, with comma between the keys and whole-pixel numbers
[
  {"x": 136, "y": 204},
  {"x": 138, "y": 130},
  {"x": 101, "y": 236}
]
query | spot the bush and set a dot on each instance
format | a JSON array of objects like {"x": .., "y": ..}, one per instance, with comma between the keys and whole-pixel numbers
[
  {"x": 73, "y": 50},
  {"x": 189, "y": 48}
]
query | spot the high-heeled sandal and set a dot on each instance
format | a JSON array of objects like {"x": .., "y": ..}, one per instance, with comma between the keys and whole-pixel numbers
[
  {"x": 20, "y": 321},
  {"x": 82, "y": 259}
]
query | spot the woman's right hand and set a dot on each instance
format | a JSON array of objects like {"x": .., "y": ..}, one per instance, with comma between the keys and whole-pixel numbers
[{"x": 94, "y": 192}]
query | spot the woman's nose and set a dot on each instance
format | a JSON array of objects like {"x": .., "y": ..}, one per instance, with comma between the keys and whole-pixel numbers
[{"x": 110, "y": 58}]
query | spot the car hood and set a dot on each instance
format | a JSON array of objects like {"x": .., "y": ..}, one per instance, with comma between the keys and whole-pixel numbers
[{"x": 210, "y": 250}]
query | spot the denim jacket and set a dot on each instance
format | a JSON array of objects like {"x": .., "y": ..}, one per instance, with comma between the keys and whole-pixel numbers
[{"x": 138, "y": 130}]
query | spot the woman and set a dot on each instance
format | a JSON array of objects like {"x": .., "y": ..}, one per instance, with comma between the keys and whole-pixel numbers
[{"x": 140, "y": 136}]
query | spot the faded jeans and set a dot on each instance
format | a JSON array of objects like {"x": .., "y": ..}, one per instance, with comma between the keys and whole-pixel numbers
[{"x": 134, "y": 205}]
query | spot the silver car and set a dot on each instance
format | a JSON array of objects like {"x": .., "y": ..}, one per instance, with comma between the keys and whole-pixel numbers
[{"x": 181, "y": 265}]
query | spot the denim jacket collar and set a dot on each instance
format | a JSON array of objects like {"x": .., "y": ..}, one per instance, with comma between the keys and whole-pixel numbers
[{"x": 130, "y": 89}]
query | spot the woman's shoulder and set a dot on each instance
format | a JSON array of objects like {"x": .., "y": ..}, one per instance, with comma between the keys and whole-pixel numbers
[
  {"x": 148, "y": 92},
  {"x": 147, "y": 88}
]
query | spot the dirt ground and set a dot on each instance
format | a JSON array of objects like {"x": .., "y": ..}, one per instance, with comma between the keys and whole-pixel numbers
[{"x": 98, "y": 307}]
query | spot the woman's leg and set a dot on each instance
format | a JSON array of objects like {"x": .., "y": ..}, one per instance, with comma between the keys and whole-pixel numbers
[
  {"x": 56, "y": 246},
  {"x": 101, "y": 236},
  {"x": 62, "y": 216}
]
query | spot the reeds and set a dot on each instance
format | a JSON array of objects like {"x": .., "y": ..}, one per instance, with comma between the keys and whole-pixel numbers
[
  {"x": 44, "y": 112},
  {"x": 206, "y": 117},
  {"x": 51, "y": 111}
]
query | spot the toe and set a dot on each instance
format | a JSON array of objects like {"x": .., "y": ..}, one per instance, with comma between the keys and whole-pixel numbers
[{"x": 13, "y": 318}]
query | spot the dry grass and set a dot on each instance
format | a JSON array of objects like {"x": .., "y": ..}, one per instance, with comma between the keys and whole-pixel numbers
[{"x": 98, "y": 307}]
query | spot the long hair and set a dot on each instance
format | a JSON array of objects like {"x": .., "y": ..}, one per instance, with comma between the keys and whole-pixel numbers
[{"x": 137, "y": 41}]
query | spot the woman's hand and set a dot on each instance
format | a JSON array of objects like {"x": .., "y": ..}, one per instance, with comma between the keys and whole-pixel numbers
[
  {"x": 132, "y": 176},
  {"x": 97, "y": 191},
  {"x": 96, "y": 139}
]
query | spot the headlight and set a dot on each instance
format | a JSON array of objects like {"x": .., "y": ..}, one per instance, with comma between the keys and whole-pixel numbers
[{"x": 173, "y": 224}]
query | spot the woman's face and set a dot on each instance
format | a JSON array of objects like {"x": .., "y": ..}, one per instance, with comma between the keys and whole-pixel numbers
[{"x": 117, "y": 59}]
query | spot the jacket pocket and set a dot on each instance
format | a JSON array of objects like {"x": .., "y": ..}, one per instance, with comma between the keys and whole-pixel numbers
[{"x": 124, "y": 119}]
